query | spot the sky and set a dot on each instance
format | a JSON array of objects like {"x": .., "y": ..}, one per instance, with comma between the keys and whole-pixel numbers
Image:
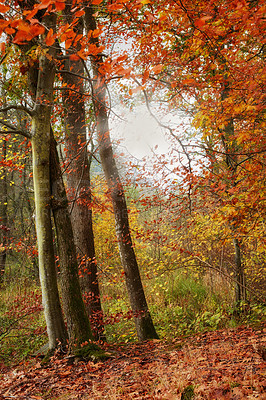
[{"x": 138, "y": 133}]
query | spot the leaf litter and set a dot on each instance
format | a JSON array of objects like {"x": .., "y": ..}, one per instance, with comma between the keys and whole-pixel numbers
[{"x": 224, "y": 364}]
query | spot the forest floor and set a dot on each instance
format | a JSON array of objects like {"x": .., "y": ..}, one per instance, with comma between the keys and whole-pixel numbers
[{"x": 224, "y": 364}]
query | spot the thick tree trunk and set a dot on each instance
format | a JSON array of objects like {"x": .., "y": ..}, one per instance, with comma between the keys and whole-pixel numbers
[
  {"x": 78, "y": 182},
  {"x": 3, "y": 215},
  {"x": 142, "y": 317},
  {"x": 41, "y": 179},
  {"x": 77, "y": 320}
]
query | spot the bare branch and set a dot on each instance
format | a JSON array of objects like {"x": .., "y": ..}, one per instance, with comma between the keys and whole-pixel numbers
[
  {"x": 16, "y": 107},
  {"x": 14, "y": 129},
  {"x": 63, "y": 71}
]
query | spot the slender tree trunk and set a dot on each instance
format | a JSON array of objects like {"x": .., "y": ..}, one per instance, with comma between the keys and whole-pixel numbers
[
  {"x": 231, "y": 160},
  {"x": 143, "y": 321},
  {"x": 78, "y": 182},
  {"x": 240, "y": 289},
  {"x": 3, "y": 215},
  {"x": 77, "y": 320},
  {"x": 41, "y": 179}
]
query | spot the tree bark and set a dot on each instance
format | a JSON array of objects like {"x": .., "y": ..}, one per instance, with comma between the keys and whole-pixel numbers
[
  {"x": 3, "y": 215},
  {"x": 78, "y": 182},
  {"x": 143, "y": 322},
  {"x": 240, "y": 289},
  {"x": 77, "y": 320},
  {"x": 41, "y": 179},
  {"x": 231, "y": 160},
  {"x": 78, "y": 325}
]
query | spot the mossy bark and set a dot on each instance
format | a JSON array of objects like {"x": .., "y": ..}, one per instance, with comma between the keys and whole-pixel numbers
[
  {"x": 3, "y": 214},
  {"x": 41, "y": 179},
  {"x": 77, "y": 320},
  {"x": 143, "y": 321}
]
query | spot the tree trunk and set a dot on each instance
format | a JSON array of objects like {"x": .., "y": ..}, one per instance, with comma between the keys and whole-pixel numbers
[
  {"x": 231, "y": 160},
  {"x": 41, "y": 179},
  {"x": 78, "y": 182},
  {"x": 3, "y": 215},
  {"x": 142, "y": 317},
  {"x": 240, "y": 289},
  {"x": 77, "y": 320}
]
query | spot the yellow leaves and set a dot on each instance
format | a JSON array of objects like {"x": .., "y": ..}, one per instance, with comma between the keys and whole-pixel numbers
[{"x": 143, "y": 2}]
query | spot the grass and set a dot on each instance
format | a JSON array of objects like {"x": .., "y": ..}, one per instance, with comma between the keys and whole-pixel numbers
[
  {"x": 180, "y": 305},
  {"x": 22, "y": 324}
]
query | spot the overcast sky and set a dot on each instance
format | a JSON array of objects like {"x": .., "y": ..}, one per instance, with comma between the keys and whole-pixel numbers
[{"x": 139, "y": 132}]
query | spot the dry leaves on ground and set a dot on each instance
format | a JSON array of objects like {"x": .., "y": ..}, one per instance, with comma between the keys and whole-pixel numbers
[{"x": 222, "y": 364}]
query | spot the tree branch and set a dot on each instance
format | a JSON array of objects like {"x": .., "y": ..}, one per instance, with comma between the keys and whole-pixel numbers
[
  {"x": 14, "y": 129},
  {"x": 17, "y": 107}
]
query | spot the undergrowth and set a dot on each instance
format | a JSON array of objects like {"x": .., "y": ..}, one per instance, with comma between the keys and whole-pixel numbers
[
  {"x": 180, "y": 304},
  {"x": 22, "y": 324}
]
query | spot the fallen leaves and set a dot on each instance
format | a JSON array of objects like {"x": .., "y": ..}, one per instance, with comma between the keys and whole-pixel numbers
[{"x": 217, "y": 365}]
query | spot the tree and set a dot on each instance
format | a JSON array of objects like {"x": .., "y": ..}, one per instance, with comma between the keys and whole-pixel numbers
[
  {"x": 143, "y": 321},
  {"x": 208, "y": 57},
  {"x": 77, "y": 320},
  {"x": 45, "y": 162},
  {"x": 3, "y": 211},
  {"x": 78, "y": 178},
  {"x": 40, "y": 138}
]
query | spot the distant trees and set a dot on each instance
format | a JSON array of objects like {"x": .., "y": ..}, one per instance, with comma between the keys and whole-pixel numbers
[{"x": 208, "y": 59}]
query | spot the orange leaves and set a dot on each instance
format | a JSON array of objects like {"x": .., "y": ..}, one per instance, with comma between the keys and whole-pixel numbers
[
  {"x": 3, "y": 25},
  {"x": 189, "y": 81},
  {"x": 79, "y": 13},
  {"x": 60, "y": 5},
  {"x": 199, "y": 23},
  {"x": 95, "y": 50},
  {"x": 44, "y": 4},
  {"x": 135, "y": 90},
  {"x": 4, "y": 8},
  {"x": 157, "y": 68},
  {"x": 26, "y": 31},
  {"x": 50, "y": 38},
  {"x": 2, "y": 47}
]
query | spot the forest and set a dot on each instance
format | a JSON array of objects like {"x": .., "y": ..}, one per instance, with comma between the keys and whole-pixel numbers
[{"x": 132, "y": 255}]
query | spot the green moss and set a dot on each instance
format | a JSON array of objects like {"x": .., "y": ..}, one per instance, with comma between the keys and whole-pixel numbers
[
  {"x": 188, "y": 393},
  {"x": 91, "y": 352}
]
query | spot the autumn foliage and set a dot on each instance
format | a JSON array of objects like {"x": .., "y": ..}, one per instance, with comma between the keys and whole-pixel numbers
[{"x": 196, "y": 212}]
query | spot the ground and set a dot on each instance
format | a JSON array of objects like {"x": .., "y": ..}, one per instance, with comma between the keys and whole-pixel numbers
[{"x": 224, "y": 364}]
